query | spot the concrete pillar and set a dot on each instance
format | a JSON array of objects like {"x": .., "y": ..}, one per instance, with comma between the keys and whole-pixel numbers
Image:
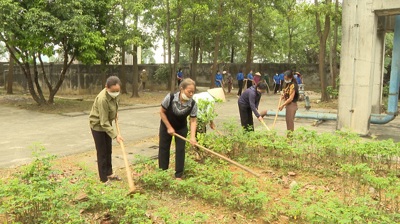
[
  {"x": 357, "y": 71},
  {"x": 378, "y": 72}
]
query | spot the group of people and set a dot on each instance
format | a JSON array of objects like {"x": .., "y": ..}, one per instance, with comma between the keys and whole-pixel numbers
[
  {"x": 249, "y": 102},
  {"x": 175, "y": 110},
  {"x": 174, "y": 113},
  {"x": 279, "y": 81},
  {"x": 250, "y": 80}
]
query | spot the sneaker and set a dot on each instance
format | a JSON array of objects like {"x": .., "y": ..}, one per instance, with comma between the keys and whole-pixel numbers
[{"x": 114, "y": 177}]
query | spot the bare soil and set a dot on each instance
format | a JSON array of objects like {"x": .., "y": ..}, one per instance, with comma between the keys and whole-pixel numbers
[{"x": 67, "y": 103}]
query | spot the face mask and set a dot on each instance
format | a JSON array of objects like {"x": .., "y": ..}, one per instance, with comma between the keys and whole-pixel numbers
[
  {"x": 113, "y": 94},
  {"x": 184, "y": 97},
  {"x": 288, "y": 81}
]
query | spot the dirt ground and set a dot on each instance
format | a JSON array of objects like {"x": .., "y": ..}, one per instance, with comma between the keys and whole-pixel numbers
[{"x": 67, "y": 103}]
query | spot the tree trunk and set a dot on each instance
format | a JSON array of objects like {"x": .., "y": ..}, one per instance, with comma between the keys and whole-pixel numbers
[
  {"x": 135, "y": 83},
  {"x": 193, "y": 67},
  {"x": 249, "y": 58},
  {"x": 290, "y": 42},
  {"x": 195, "y": 58},
  {"x": 123, "y": 49},
  {"x": 123, "y": 72},
  {"x": 47, "y": 81},
  {"x": 25, "y": 67},
  {"x": 323, "y": 36},
  {"x": 165, "y": 51},
  {"x": 171, "y": 83},
  {"x": 232, "y": 53},
  {"x": 36, "y": 80},
  {"x": 216, "y": 45},
  {"x": 334, "y": 66},
  {"x": 66, "y": 64},
  {"x": 201, "y": 53},
  {"x": 10, "y": 76},
  {"x": 177, "y": 44},
  {"x": 31, "y": 87}
]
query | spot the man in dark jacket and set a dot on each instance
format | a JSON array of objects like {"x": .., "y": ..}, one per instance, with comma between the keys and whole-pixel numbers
[{"x": 248, "y": 104}]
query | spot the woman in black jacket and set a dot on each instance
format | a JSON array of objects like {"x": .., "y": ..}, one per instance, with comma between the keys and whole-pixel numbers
[{"x": 175, "y": 109}]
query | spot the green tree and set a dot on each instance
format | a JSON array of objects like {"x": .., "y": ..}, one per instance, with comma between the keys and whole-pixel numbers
[
  {"x": 323, "y": 10},
  {"x": 128, "y": 18},
  {"x": 31, "y": 29}
]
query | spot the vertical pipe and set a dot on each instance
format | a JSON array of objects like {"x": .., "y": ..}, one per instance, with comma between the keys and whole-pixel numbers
[
  {"x": 394, "y": 81},
  {"x": 395, "y": 73}
]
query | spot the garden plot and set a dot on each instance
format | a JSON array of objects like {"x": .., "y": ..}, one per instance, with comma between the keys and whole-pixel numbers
[{"x": 312, "y": 178}]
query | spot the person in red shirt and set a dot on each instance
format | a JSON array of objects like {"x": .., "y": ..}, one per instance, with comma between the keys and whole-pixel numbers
[{"x": 257, "y": 78}]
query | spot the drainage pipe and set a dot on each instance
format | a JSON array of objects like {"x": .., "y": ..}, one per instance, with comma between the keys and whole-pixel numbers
[
  {"x": 307, "y": 115},
  {"x": 394, "y": 85},
  {"x": 393, "y": 102}
]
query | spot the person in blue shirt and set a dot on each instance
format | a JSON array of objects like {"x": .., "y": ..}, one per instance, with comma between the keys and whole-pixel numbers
[
  {"x": 240, "y": 78},
  {"x": 219, "y": 80},
  {"x": 250, "y": 79},
  {"x": 298, "y": 77},
  {"x": 277, "y": 83},
  {"x": 179, "y": 76},
  {"x": 281, "y": 81}
]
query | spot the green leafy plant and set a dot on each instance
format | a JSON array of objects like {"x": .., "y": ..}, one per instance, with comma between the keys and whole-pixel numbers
[
  {"x": 41, "y": 194},
  {"x": 162, "y": 74},
  {"x": 334, "y": 93},
  {"x": 212, "y": 182}
]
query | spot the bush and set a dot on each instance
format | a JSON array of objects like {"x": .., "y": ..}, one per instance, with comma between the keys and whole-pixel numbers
[
  {"x": 41, "y": 194},
  {"x": 334, "y": 93},
  {"x": 162, "y": 74}
]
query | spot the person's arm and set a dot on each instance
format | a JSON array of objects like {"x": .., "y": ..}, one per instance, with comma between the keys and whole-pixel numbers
[
  {"x": 253, "y": 106},
  {"x": 163, "y": 115},
  {"x": 193, "y": 124},
  {"x": 290, "y": 99},
  {"x": 105, "y": 121},
  {"x": 193, "y": 127}
]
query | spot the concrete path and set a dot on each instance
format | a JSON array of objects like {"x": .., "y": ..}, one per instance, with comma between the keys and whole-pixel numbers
[{"x": 65, "y": 135}]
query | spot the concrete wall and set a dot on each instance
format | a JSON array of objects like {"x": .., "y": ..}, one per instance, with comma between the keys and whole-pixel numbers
[
  {"x": 89, "y": 77},
  {"x": 362, "y": 58}
]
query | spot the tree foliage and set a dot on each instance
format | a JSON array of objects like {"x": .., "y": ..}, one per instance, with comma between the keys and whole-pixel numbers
[
  {"x": 192, "y": 32},
  {"x": 32, "y": 29}
]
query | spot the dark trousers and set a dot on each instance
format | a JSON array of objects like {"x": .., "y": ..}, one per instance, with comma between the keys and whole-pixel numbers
[
  {"x": 164, "y": 150},
  {"x": 277, "y": 88},
  {"x": 103, "y": 144},
  {"x": 144, "y": 85},
  {"x": 240, "y": 83},
  {"x": 246, "y": 118},
  {"x": 229, "y": 87},
  {"x": 249, "y": 83}
]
